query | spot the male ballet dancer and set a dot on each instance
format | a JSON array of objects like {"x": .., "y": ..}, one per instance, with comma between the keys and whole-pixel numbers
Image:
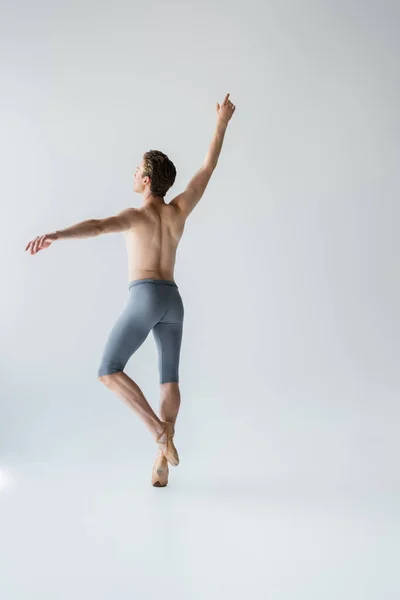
[{"x": 152, "y": 234}]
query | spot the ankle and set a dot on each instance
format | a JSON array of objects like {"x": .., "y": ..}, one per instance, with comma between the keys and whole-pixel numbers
[{"x": 158, "y": 430}]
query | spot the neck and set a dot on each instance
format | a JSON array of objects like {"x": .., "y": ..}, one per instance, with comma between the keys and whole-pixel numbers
[{"x": 152, "y": 199}]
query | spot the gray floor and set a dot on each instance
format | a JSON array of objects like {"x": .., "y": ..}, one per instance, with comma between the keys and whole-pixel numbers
[{"x": 285, "y": 518}]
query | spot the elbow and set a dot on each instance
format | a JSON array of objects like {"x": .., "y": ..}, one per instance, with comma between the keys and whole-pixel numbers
[{"x": 97, "y": 227}]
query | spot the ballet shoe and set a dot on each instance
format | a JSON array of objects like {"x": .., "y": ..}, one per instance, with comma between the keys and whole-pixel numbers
[
  {"x": 166, "y": 444},
  {"x": 159, "y": 476}
]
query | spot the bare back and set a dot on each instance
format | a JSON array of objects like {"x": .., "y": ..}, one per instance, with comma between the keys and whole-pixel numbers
[{"x": 152, "y": 241}]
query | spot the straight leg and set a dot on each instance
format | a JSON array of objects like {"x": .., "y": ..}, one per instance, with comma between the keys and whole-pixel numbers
[
  {"x": 170, "y": 400},
  {"x": 132, "y": 395}
]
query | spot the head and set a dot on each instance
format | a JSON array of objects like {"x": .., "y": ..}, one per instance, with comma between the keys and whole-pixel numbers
[{"x": 155, "y": 174}]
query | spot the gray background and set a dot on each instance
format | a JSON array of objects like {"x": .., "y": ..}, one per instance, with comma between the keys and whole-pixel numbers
[{"x": 288, "y": 485}]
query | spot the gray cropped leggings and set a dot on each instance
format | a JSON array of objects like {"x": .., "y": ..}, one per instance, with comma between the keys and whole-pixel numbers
[{"x": 152, "y": 304}]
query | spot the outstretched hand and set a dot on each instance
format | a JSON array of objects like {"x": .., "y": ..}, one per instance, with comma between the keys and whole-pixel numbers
[
  {"x": 225, "y": 110},
  {"x": 41, "y": 242}
]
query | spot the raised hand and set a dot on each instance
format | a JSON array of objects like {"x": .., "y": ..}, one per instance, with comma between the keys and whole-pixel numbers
[
  {"x": 41, "y": 242},
  {"x": 225, "y": 110}
]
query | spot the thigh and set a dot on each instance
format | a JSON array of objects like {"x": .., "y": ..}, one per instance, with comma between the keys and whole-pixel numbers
[
  {"x": 168, "y": 339},
  {"x": 126, "y": 336}
]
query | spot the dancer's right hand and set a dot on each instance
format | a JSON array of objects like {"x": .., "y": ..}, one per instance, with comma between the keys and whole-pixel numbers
[{"x": 225, "y": 110}]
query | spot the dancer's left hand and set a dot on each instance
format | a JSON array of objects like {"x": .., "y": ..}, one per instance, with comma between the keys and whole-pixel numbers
[{"x": 41, "y": 242}]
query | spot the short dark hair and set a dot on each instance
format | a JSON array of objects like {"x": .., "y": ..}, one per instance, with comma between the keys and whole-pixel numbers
[{"x": 161, "y": 171}]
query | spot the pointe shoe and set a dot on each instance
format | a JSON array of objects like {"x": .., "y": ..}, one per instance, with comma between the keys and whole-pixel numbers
[
  {"x": 159, "y": 476},
  {"x": 166, "y": 444}
]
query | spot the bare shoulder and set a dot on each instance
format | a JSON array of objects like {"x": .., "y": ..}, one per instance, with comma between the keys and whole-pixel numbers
[
  {"x": 189, "y": 198},
  {"x": 175, "y": 209},
  {"x": 129, "y": 212},
  {"x": 130, "y": 215}
]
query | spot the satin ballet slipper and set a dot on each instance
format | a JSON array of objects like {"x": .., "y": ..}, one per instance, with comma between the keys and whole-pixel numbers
[{"x": 159, "y": 476}]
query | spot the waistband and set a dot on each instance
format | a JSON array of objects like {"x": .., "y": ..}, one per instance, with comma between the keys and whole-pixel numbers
[{"x": 162, "y": 281}]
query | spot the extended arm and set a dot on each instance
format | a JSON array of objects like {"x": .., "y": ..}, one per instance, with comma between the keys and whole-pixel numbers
[
  {"x": 94, "y": 227},
  {"x": 90, "y": 228},
  {"x": 187, "y": 200}
]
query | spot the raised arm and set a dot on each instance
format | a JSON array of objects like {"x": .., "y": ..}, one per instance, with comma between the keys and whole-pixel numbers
[{"x": 187, "y": 200}]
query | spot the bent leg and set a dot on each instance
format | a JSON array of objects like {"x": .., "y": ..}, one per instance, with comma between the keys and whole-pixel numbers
[
  {"x": 127, "y": 335},
  {"x": 132, "y": 395}
]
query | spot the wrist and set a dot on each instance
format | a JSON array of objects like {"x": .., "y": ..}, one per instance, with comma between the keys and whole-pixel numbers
[{"x": 222, "y": 123}]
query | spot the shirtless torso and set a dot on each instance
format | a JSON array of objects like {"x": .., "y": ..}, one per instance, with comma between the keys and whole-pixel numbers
[{"x": 152, "y": 241}]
